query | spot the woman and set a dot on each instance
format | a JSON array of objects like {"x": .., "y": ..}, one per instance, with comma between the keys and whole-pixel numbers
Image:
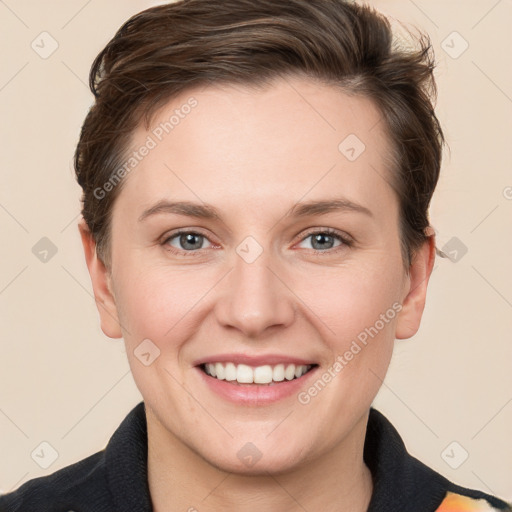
[{"x": 256, "y": 179}]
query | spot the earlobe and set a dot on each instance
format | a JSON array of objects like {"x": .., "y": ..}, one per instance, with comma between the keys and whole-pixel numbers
[
  {"x": 100, "y": 278},
  {"x": 413, "y": 305}
]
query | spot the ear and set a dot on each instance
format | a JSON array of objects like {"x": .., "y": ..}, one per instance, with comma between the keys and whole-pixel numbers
[
  {"x": 101, "y": 283},
  {"x": 413, "y": 305}
]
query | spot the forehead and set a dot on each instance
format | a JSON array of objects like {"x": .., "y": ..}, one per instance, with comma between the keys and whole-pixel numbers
[{"x": 293, "y": 137}]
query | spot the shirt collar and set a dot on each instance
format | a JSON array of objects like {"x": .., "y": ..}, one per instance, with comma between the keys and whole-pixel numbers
[
  {"x": 126, "y": 461},
  {"x": 400, "y": 481}
]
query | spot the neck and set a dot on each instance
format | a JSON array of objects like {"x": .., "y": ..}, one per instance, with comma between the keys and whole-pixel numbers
[{"x": 181, "y": 480}]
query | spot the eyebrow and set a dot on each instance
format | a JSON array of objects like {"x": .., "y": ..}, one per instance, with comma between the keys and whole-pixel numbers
[
  {"x": 200, "y": 211},
  {"x": 327, "y": 206},
  {"x": 205, "y": 211}
]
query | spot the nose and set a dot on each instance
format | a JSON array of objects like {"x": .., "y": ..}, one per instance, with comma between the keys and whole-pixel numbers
[{"x": 255, "y": 297}]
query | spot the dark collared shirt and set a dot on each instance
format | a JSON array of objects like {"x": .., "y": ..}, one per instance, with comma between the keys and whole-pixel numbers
[{"x": 115, "y": 479}]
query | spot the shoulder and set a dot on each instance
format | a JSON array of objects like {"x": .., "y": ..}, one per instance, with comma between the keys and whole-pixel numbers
[
  {"x": 455, "y": 502},
  {"x": 114, "y": 478},
  {"x": 83, "y": 483},
  {"x": 402, "y": 482}
]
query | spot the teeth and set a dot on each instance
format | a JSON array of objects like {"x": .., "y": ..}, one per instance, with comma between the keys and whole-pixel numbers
[
  {"x": 262, "y": 374},
  {"x": 265, "y": 374},
  {"x": 278, "y": 373},
  {"x": 289, "y": 373},
  {"x": 230, "y": 372},
  {"x": 244, "y": 374},
  {"x": 211, "y": 370}
]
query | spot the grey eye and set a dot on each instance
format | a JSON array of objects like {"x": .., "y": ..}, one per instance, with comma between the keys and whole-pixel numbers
[
  {"x": 188, "y": 241},
  {"x": 321, "y": 241}
]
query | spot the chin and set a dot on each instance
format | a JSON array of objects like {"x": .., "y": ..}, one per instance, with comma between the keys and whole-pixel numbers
[{"x": 256, "y": 464}]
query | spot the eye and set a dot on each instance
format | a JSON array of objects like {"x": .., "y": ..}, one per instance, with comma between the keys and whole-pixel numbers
[
  {"x": 319, "y": 241},
  {"x": 324, "y": 240},
  {"x": 187, "y": 241}
]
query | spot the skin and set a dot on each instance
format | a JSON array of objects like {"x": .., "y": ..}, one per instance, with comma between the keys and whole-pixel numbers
[{"x": 253, "y": 154}]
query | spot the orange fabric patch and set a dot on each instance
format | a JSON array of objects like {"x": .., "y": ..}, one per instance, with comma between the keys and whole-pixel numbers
[{"x": 458, "y": 503}]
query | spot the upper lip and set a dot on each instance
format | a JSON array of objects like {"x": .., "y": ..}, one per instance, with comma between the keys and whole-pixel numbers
[{"x": 253, "y": 360}]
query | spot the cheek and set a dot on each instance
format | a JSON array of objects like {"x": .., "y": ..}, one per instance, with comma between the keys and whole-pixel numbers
[
  {"x": 356, "y": 311},
  {"x": 160, "y": 305},
  {"x": 351, "y": 300},
  {"x": 157, "y": 302}
]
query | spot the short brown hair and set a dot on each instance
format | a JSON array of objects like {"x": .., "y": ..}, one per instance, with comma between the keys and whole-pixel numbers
[{"x": 167, "y": 49}]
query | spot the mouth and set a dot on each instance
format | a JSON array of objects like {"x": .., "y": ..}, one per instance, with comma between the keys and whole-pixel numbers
[{"x": 264, "y": 375}]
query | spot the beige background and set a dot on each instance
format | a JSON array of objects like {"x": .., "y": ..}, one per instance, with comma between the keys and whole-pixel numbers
[{"x": 63, "y": 382}]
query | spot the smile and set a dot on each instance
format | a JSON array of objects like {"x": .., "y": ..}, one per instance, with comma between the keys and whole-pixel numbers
[{"x": 265, "y": 375}]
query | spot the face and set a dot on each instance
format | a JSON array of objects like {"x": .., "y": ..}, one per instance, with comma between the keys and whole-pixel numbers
[{"x": 259, "y": 239}]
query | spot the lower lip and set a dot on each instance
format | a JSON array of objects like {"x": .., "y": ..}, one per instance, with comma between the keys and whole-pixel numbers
[{"x": 256, "y": 394}]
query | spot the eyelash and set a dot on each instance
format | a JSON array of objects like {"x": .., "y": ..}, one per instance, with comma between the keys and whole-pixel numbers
[{"x": 346, "y": 241}]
